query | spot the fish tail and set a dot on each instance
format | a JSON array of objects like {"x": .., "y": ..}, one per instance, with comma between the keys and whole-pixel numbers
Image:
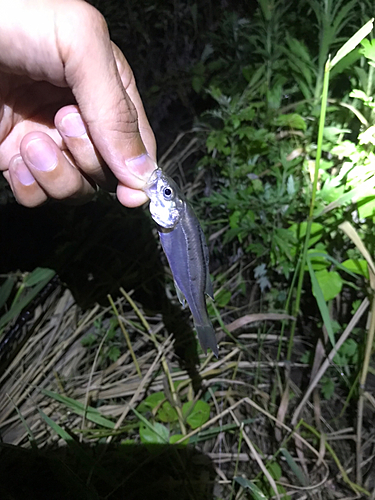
[{"x": 207, "y": 338}]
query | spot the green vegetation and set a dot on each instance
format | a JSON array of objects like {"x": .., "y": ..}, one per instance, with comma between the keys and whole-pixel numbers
[{"x": 281, "y": 173}]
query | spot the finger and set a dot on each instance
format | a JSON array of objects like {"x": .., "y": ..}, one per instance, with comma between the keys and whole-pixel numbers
[
  {"x": 130, "y": 197},
  {"x": 73, "y": 130},
  {"x": 130, "y": 87},
  {"x": 24, "y": 186},
  {"x": 52, "y": 170},
  {"x": 111, "y": 116}
]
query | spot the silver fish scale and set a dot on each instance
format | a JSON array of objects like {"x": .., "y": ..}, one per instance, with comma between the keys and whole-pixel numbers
[
  {"x": 186, "y": 251},
  {"x": 183, "y": 248}
]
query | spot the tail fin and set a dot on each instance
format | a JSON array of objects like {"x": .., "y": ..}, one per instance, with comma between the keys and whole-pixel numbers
[{"x": 207, "y": 338}]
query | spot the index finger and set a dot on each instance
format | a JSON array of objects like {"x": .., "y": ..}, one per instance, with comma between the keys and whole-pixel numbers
[{"x": 92, "y": 72}]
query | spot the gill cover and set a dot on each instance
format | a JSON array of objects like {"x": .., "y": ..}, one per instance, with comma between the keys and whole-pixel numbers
[{"x": 166, "y": 202}]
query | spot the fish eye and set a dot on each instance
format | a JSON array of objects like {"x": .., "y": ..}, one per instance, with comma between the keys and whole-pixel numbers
[{"x": 167, "y": 193}]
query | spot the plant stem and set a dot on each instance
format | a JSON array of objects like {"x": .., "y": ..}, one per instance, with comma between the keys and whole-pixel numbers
[{"x": 312, "y": 204}]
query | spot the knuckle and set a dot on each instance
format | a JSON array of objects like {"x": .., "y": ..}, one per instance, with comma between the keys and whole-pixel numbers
[
  {"x": 94, "y": 19},
  {"x": 128, "y": 117},
  {"x": 70, "y": 189},
  {"x": 81, "y": 18}
]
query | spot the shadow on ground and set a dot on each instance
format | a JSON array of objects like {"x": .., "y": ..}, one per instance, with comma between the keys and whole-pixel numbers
[
  {"x": 95, "y": 249},
  {"x": 131, "y": 472}
]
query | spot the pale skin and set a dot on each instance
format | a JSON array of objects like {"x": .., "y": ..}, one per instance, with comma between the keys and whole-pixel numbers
[{"x": 71, "y": 118}]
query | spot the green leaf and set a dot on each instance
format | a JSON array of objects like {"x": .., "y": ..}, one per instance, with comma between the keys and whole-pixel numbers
[
  {"x": 346, "y": 62},
  {"x": 151, "y": 402},
  {"x": 328, "y": 387},
  {"x": 294, "y": 467},
  {"x": 368, "y": 49},
  {"x": 292, "y": 120},
  {"x": 39, "y": 274},
  {"x": 318, "y": 258},
  {"x": 218, "y": 139},
  {"x": 113, "y": 353},
  {"x": 90, "y": 413},
  {"x": 330, "y": 283},
  {"x": 331, "y": 133},
  {"x": 223, "y": 298},
  {"x": 357, "y": 266},
  {"x": 154, "y": 433},
  {"x": 352, "y": 43},
  {"x": 299, "y": 49},
  {"x": 6, "y": 289},
  {"x": 275, "y": 470},
  {"x": 151, "y": 433},
  {"x": 39, "y": 279},
  {"x": 59, "y": 430},
  {"x": 176, "y": 437},
  {"x": 350, "y": 349},
  {"x": 128, "y": 442},
  {"x": 318, "y": 294},
  {"x": 247, "y": 114},
  {"x": 198, "y": 415},
  {"x": 246, "y": 484},
  {"x": 167, "y": 413},
  {"x": 234, "y": 219},
  {"x": 366, "y": 207},
  {"x": 299, "y": 230},
  {"x": 358, "y": 94},
  {"x": 366, "y": 188}
]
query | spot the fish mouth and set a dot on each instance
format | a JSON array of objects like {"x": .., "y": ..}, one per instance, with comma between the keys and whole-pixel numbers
[{"x": 154, "y": 177}]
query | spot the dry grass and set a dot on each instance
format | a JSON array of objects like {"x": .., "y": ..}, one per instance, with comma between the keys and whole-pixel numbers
[
  {"x": 74, "y": 413},
  {"x": 263, "y": 425}
]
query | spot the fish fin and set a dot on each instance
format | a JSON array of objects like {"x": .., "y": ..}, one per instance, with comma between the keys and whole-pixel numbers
[
  {"x": 180, "y": 295},
  {"x": 208, "y": 288},
  {"x": 207, "y": 338}
]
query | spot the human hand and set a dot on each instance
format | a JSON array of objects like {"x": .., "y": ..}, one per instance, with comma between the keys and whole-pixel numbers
[{"x": 71, "y": 117}]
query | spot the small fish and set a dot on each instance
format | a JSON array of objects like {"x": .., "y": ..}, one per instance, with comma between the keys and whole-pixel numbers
[{"x": 184, "y": 244}]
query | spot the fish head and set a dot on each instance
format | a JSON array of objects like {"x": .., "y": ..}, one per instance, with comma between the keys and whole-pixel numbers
[{"x": 166, "y": 200}]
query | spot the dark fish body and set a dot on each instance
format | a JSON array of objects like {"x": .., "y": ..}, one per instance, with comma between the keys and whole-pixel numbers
[{"x": 184, "y": 244}]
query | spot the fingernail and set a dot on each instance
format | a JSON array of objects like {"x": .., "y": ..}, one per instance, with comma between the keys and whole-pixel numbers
[
  {"x": 41, "y": 155},
  {"x": 141, "y": 166},
  {"x": 22, "y": 173},
  {"x": 72, "y": 125}
]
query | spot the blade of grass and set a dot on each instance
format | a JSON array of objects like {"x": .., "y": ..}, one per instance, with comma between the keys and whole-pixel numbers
[
  {"x": 85, "y": 459},
  {"x": 246, "y": 484},
  {"x": 6, "y": 289},
  {"x": 294, "y": 467},
  {"x": 19, "y": 305},
  {"x": 28, "y": 430},
  {"x": 214, "y": 431},
  {"x": 364, "y": 189},
  {"x": 90, "y": 413},
  {"x": 321, "y": 303},
  {"x": 312, "y": 207},
  {"x": 352, "y": 43}
]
